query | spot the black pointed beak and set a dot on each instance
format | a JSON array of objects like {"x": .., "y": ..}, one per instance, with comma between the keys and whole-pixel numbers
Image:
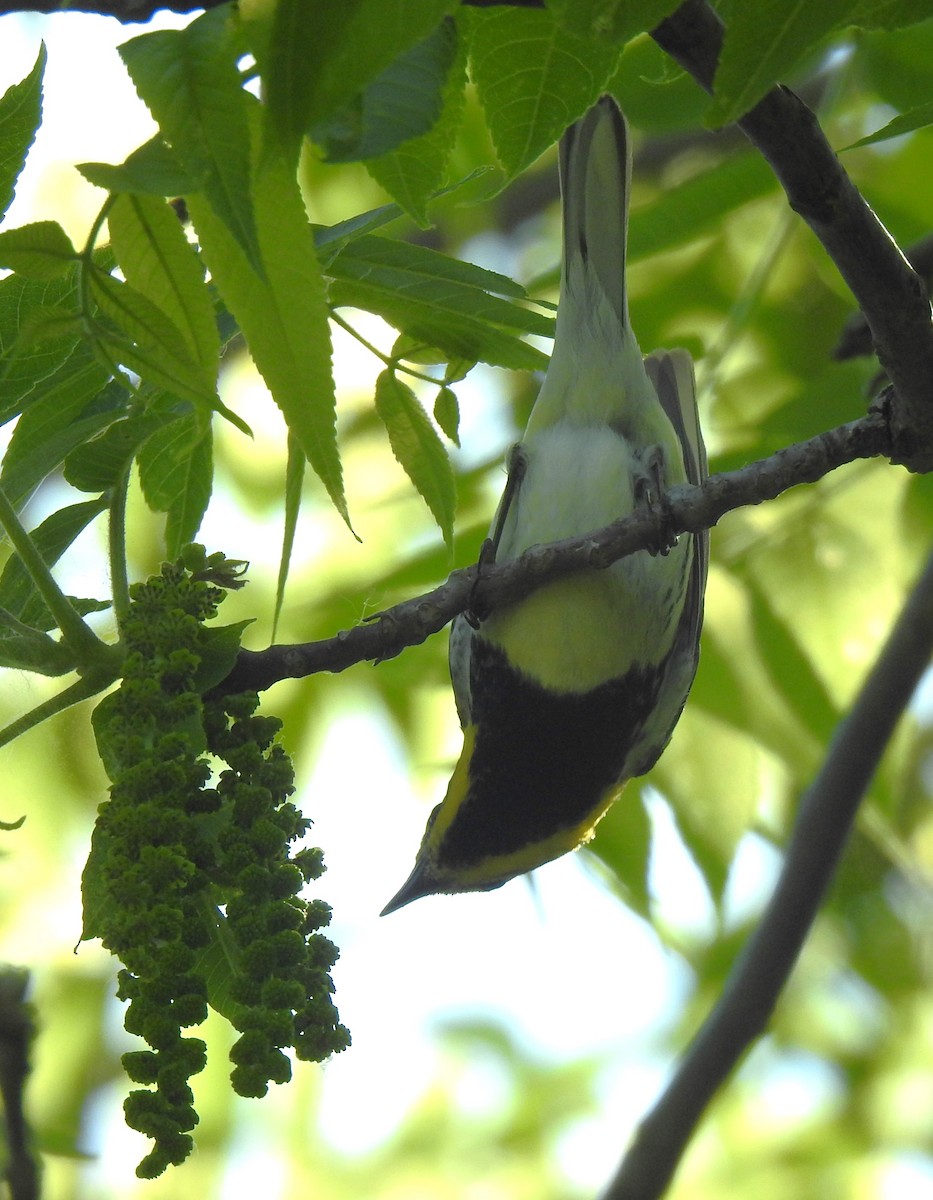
[{"x": 420, "y": 882}]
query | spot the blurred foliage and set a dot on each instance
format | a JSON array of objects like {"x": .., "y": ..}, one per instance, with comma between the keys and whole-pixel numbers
[{"x": 836, "y": 1101}]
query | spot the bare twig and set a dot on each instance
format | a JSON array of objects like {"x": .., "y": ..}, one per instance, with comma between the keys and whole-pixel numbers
[
  {"x": 823, "y": 823},
  {"x": 688, "y": 509}
]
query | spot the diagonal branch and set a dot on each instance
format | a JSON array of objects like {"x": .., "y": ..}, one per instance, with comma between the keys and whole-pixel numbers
[
  {"x": 823, "y": 823},
  {"x": 687, "y": 509},
  {"x": 891, "y": 295}
]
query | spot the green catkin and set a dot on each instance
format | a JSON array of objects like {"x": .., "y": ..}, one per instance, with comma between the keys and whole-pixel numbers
[{"x": 179, "y": 867}]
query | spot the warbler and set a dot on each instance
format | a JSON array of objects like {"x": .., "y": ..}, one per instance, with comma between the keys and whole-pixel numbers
[{"x": 570, "y": 692}]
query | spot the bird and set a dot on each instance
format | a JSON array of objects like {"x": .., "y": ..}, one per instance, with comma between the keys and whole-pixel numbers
[{"x": 571, "y": 691}]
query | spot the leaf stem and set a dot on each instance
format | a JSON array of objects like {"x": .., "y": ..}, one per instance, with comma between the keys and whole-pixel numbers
[
  {"x": 394, "y": 364},
  {"x": 86, "y": 646},
  {"x": 80, "y": 690},
  {"x": 116, "y": 549}
]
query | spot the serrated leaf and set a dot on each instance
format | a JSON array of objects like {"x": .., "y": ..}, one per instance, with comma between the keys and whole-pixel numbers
[
  {"x": 763, "y": 43},
  {"x": 438, "y": 300},
  {"x": 283, "y": 316},
  {"x": 24, "y": 368},
  {"x": 414, "y": 171},
  {"x": 189, "y": 80},
  {"x": 65, "y": 417},
  {"x": 401, "y": 103},
  {"x": 41, "y": 250},
  {"x": 418, "y": 449},
  {"x": 149, "y": 342},
  {"x": 176, "y": 475},
  {"x": 533, "y": 77},
  {"x": 294, "y": 479},
  {"x": 158, "y": 260},
  {"x": 99, "y": 464},
  {"x": 20, "y": 116},
  {"x": 51, "y": 539},
  {"x": 447, "y": 414},
  {"x": 318, "y": 59},
  {"x": 151, "y": 170},
  {"x": 917, "y": 118}
]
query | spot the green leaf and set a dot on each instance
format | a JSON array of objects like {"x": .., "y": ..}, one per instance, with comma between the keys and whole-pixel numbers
[
  {"x": 418, "y": 448},
  {"x": 889, "y": 14},
  {"x": 20, "y": 117},
  {"x": 438, "y": 300},
  {"x": 917, "y": 118},
  {"x": 26, "y": 362},
  {"x": 175, "y": 473},
  {"x": 713, "y": 808},
  {"x": 534, "y": 78},
  {"x": 99, "y": 464},
  {"x": 219, "y": 649},
  {"x": 294, "y": 479},
  {"x": 36, "y": 652},
  {"x": 447, "y": 414},
  {"x": 623, "y": 843},
  {"x": 697, "y": 206},
  {"x": 151, "y": 170},
  {"x": 763, "y": 43},
  {"x": 614, "y": 20},
  {"x": 189, "y": 80},
  {"x": 41, "y": 250},
  {"x": 790, "y": 668},
  {"x": 65, "y": 416},
  {"x": 283, "y": 316},
  {"x": 401, "y": 103},
  {"x": 158, "y": 260},
  {"x": 319, "y": 58},
  {"x": 52, "y": 538},
  {"x": 148, "y": 342},
  {"x": 414, "y": 171}
]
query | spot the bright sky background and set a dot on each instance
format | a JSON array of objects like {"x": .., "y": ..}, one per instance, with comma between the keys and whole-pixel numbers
[{"x": 567, "y": 968}]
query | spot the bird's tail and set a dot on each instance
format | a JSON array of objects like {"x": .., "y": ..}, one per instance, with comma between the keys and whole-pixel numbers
[{"x": 595, "y": 168}]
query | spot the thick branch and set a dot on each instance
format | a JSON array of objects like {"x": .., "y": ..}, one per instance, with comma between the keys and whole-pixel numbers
[
  {"x": 890, "y": 294},
  {"x": 823, "y": 823},
  {"x": 687, "y": 509}
]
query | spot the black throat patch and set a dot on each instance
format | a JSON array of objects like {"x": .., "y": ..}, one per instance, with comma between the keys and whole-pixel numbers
[{"x": 542, "y": 760}]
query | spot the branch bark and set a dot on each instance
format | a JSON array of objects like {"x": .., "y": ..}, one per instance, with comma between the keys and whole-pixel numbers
[
  {"x": 826, "y": 815},
  {"x": 891, "y": 295},
  {"x": 125, "y": 11},
  {"x": 686, "y": 509}
]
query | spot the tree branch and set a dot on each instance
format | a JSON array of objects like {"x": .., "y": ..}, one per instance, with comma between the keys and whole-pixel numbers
[
  {"x": 826, "y": 814},
  {"x": 890, "y": 294},
  {"x": 125, "y": 11},
  {"x": 686, "y": 509}
]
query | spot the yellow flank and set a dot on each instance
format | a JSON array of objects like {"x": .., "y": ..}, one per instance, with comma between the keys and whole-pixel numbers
[{"x": 580, "y": 632}]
